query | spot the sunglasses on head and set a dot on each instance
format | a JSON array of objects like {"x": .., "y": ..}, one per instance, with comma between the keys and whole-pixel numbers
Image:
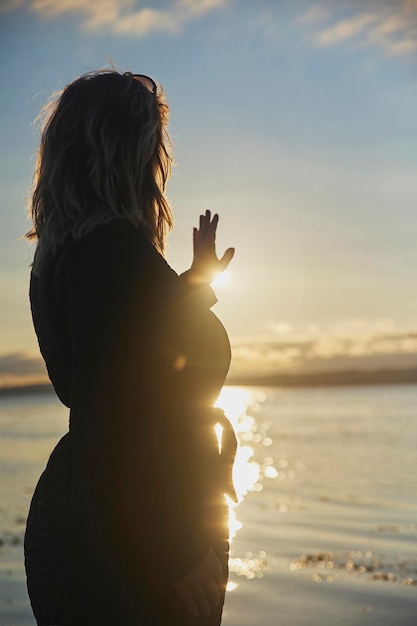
[{"x": 146, "y": 81}]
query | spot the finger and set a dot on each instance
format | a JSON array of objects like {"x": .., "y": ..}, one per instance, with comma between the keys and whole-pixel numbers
[
  {"x": 206, "y": 217},
  {"x": 213, "y": 225},
  {"x": 195, "y": 239},
  {"x": 226, "y": 258},
  {"x": 210, "y": 229},
  {"x": 204, "y": 225}
]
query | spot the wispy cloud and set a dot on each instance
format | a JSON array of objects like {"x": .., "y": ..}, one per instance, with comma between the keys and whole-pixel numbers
[
  {"x": 390, "y": 26},
  {"x": 314, "y": 14},
  {"x": 121, "y": 17},
  {"x": 279, "y": 327},
  {"x": 350, "y": 344},
  {"x": 345, "y": 29}
]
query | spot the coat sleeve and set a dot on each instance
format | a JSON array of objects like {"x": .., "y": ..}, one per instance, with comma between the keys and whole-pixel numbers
[{"x": 134, "y": 496}]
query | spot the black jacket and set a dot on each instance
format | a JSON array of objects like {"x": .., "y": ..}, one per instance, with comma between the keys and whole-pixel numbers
[{"x": 139, "y": 359}]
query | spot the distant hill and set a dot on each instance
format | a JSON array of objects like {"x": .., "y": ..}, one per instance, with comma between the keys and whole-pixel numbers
[
  {"x": 329, "y": 378},
  {"x": 19, "y": 390},
  {"x": 303, "y": 379}
]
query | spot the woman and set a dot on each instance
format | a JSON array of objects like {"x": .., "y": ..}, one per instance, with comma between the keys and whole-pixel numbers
[{"x": 128, "y": 521}]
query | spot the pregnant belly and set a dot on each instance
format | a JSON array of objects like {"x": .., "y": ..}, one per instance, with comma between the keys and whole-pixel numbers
[{"x": 207, "y": 357}]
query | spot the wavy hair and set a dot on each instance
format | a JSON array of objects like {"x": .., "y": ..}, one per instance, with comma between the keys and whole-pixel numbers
[{"x": 104, "y": 153}]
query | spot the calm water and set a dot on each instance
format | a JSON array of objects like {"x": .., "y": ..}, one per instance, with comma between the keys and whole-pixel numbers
[{"x": 326, "y": 532}]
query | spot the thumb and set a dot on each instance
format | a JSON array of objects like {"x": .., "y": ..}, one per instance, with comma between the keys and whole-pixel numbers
[{"x": 226, "y": 258}]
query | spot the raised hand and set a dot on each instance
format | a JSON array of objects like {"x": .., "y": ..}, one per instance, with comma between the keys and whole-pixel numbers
[
  {"x": 206, "y": 263},
  {"x": 199, "y": 590}
]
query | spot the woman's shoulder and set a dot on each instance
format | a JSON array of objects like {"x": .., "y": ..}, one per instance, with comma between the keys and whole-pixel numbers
[
  {"x": 119, "y": 235},
  {"x": 113, "y": 243},
  {"x": 115, "y": 252}
]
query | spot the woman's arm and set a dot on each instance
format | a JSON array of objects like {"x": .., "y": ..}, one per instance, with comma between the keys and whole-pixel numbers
[{"x": 199, "y": 589}]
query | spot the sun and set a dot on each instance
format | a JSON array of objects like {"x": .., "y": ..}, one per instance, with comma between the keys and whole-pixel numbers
[{"x": 221, "y": 279}]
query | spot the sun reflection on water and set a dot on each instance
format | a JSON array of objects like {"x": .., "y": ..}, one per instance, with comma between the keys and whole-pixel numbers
[
  {"x": 235, "y": 402},
  {"x": 248, "y": 473}
]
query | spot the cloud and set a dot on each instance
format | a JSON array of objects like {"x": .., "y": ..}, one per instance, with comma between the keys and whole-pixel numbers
[
  {"x": 345, "y": 29},
  {"x": 351, "y": 344},
  {"x": 18, "y": 368},
  {"x": 279, "y": 327},
  {"x": 390, "y": 26},
  {"x": 143, "y": 22},
  {"x": 314, "y": 14},
  {"x": 7, "y": 6},
  {"x": 121, "y": 17},
  {"x": 362, "y": 326}
]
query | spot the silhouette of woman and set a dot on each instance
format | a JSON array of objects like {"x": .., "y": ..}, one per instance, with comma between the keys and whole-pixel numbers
[{"x": 128, "y": 523}]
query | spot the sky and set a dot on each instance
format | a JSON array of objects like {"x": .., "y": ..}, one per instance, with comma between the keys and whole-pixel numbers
[{"x": 295, "y": 120}]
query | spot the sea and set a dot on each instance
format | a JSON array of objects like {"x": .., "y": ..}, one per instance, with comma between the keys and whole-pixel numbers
[{"x": 325, "y": 532}]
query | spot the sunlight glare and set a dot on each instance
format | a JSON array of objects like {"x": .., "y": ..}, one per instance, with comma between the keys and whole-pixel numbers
[
  {"x": 246, "y": 473},
  {"x": 221, "y": 279},
  {"x": 234, "y": 401},
  {"x": 219, "y": 431},
  {"x": 234, "y": 523},
  {"x": 231, "y": 586}
]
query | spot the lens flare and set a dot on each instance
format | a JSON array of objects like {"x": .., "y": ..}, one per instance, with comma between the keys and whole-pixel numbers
[{"x": 221, "y": 279}]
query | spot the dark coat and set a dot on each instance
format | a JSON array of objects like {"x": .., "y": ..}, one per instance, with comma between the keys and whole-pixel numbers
[{"x": 131, "y": 498}]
